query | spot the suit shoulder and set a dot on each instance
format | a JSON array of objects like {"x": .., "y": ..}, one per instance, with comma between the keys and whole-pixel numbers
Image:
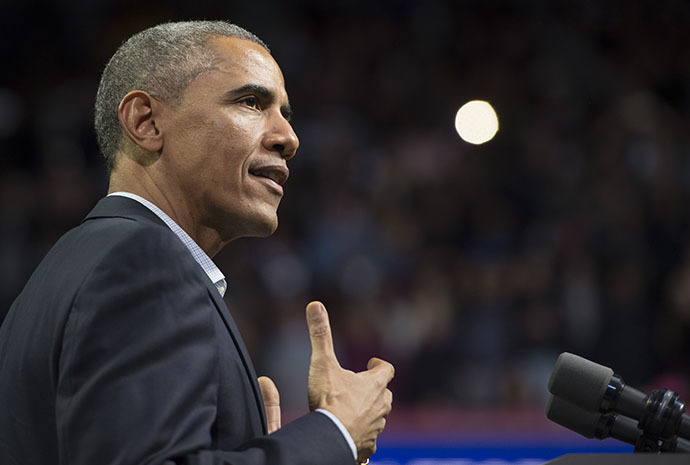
[
  {"x": 116, "y": 232},
  {"x": 115, "y": 246},
  {"x": 101, "y": 239},
  {"x": 139, "y": 245}
]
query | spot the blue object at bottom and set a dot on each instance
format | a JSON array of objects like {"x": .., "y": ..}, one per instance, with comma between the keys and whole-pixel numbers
[{"x": 489, "y": 453}]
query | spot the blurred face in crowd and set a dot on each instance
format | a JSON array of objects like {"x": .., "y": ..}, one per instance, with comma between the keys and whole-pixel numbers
[{"x": 229, "y": 139}]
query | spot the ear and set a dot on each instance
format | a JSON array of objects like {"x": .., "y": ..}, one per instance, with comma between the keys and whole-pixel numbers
[{"x": 138, "y": 112}]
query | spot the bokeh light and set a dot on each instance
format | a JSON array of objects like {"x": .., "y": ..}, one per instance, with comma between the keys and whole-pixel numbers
[{"x": 476, "y": 122}]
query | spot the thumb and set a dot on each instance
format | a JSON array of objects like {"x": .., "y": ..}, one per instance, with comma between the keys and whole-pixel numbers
[
  {"x": 319, "y": 331},
  {"x": 271, "y": 397}
]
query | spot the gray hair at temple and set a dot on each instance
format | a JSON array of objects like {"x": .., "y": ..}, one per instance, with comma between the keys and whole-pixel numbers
[{"x": 163, "y": 61}]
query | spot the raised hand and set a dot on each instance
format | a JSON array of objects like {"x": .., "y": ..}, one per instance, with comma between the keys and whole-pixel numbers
[
  {"x": 271, "y": 397},
  {"x": 361, "y": 401}
]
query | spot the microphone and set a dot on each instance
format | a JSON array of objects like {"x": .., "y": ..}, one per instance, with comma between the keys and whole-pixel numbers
[
  {"x": 589, "y": 424},
  {"x": 596, "y": 388},
  {"x": 610, "y": 425}
]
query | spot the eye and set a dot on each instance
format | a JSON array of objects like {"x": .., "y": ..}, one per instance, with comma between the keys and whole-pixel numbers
[{"x": 251, "y": 102}]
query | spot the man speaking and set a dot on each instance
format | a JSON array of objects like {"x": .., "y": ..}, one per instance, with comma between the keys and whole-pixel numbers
[{"x": 120, "y": 349}]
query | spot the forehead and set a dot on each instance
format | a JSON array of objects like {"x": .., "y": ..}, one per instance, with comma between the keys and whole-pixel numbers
[{"x": 244, "y": 62}]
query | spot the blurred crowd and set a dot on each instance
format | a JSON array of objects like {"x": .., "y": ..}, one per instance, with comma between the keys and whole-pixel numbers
[{"x": 470, "y": 268}]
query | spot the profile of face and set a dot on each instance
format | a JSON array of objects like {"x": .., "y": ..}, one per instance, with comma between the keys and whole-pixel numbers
[{"x": 227, "y": 143}]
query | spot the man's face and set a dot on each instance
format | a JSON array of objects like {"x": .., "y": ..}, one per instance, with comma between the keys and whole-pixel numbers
[{"x": 228, "y": 142}]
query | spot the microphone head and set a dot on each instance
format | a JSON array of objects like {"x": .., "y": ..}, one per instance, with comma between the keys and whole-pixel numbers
[
  {"x": 572, "y": 417},
  {"x": 579, "y": 381}
]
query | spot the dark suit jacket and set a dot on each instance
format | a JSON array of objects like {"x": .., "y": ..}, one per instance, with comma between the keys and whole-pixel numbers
[{"x": 120, "y": 350}]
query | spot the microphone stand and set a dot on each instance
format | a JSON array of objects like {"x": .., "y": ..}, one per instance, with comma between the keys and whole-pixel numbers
[{"x": 660, "y": 422}]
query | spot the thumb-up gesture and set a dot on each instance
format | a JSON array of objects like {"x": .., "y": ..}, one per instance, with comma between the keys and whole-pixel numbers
[{"x": 361, "y": 401}]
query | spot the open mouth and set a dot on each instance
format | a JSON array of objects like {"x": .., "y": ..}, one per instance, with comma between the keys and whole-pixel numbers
[{"x": 273, "y": 175}]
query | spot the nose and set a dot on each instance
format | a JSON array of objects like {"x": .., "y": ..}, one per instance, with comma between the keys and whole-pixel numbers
[{"x": 281, "y": 138}]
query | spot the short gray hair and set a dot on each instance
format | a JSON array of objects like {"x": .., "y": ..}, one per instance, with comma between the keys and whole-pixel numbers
[{"x": 163, "y": 61}]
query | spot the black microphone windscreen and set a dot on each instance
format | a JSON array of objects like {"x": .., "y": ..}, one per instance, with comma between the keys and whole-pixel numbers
[
  {"x": 590, "y": 424},
  {"x": 579, "y": 381},
  {"x": 572, "y": 417}
]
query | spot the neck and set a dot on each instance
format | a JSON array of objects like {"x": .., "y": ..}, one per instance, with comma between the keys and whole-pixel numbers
[{"x": 146, "y": 182}]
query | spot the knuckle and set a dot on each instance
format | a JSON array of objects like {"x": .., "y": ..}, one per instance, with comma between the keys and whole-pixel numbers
[
  {"x": 325, "y": 362},
  {"x": 369, "y": 447},
  {"x": 391, "y": 369},
  {"x": 321, "y": 330}
]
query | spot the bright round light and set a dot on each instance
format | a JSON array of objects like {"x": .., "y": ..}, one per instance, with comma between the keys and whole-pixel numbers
[{"x": 476, "y": 122}]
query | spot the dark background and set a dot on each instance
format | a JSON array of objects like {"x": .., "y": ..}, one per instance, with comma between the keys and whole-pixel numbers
[{"x": 469, "y": 267}]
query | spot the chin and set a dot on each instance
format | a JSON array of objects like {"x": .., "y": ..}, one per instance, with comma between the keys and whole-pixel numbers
[
  {"x": 261, "y": 225},
  {"x": 261, "y": 222},
  {"x": 266, "y": 230}
]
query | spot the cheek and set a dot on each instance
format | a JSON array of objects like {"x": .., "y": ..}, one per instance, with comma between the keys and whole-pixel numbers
[
  {"x": 221, "y": 148},
  {"x": 233, "y": 149}
]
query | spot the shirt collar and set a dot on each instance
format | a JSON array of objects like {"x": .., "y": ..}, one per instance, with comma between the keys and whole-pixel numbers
[{"x": 210, "y": 268}]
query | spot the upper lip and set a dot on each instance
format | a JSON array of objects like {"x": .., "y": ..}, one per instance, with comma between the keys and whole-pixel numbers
[{"x": 277, "y": 173}]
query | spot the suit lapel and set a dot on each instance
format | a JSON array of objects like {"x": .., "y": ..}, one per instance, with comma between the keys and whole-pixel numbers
[
  {"x": 123, "y": 207},
  {"x": 239, "y": 343}
]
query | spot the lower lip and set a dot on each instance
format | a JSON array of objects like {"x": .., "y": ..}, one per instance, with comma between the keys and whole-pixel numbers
[{"x": 271, "y": 184}]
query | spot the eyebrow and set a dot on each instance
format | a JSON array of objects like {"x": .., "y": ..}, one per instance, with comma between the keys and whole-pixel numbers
[{"x": 263, "y": 92}]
